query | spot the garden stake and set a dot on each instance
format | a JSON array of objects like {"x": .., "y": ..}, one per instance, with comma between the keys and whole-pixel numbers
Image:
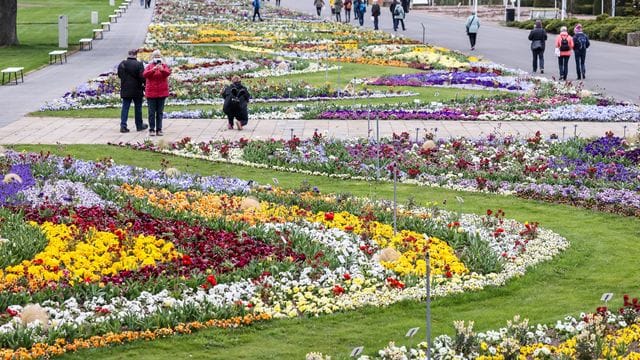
[
  {"x": 575, "y": 130},
  {"x": 624, "y": 131},
  {"x": 417, "y": 130},
  {"x": 395, "y": 199},
  {"x": 428, "y": 283},
  {"x": 563, "y": 129}
]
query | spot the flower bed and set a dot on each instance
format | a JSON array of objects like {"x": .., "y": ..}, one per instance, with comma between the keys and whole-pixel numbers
[
  {"x": 132, "y": 253},
  {"x": 602, "y": 174}
]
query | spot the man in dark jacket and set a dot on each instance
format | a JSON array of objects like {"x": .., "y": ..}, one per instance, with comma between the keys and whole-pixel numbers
[
  {"x": 405, "y": 6},
  {"x": 131, "y": 89},
  {"x": 236, "y": 98},
  {"x": 538, "y": 38},
  {"x": 375, "y": 12}
]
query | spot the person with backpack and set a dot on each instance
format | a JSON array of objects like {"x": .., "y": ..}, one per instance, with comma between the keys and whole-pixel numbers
[
  {"x": 564, "y": 45},
  {"x": 131, "y": 90},
  {"x": 375, "y": 13},
  {"x": 362, "y": 10},
  {"x": 472, "y": 25},
  {"x": 580, "y": 45},
  {"x": 337, "y": 5},
  {"x": 398, "y": 16},
  {"x": 157, "y": 90},
  {"x": 318, "y": 4},
  {"x": 256, "y": 10},
  {"x": 347, "y": 10},
  {"x": 538, "y": 38},
  {"x": 236, "y": 98}
]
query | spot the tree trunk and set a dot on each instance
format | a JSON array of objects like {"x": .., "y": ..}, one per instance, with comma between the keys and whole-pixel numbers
[{"x": 8, "y": 28}]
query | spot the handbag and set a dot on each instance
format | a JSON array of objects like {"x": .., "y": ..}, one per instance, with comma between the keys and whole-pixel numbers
[
  {"x": 557, "y": 52},
  {"x": 536, "y": 45}
]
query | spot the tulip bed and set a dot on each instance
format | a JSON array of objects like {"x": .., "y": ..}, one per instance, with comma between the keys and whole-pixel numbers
[
  {"x": 297, "y": 67},
  {"x": 602, "y": 174},
  {"x": 96, "y": 254}
]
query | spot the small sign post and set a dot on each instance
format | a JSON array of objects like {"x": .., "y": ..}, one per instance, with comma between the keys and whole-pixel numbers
[{"x": 356, "y": 351}]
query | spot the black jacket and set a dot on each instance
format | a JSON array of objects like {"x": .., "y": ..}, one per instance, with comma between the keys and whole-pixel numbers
[
  {"x": 131, "y": 79},
  {"x": 392, "y": 7},
  {"x": 375, "y": 10},
  {"x": 405, "y": 6},
  {"x": 538, "y": 34},
  {"x": 241, "y": 92}
]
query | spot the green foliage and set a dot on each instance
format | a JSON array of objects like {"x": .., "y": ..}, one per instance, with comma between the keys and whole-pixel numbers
[{"x": 23, "y": 241}]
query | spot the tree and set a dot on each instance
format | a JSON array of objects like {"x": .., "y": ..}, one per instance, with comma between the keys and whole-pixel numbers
[{"x": 8, "y": 28}]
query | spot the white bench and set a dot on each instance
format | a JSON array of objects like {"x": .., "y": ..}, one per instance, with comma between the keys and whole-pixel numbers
[
  {"x": 86, "y": 44},
  {"x": 56, "y": 55},
  {"x": 97, "y": 34},
  {"x": 15, "y": 71},
  {"x": 106, "y": 26},
  {"x": 113, "y": 18}
]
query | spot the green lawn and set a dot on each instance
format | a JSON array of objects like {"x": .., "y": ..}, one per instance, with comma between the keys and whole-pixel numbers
[
  {"x": 38, "y": 29},
  {"x": 599, "y": 260}
]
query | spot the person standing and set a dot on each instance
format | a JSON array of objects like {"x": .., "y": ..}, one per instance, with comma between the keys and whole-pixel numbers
[
  {"x": 538, "y": 38},
  {"x": 157, "y": 90},
  {"x": 319, "y": 4},
  {"x": 564, "y": 45},
  {"x": 362, "y": 10},
  {"x": 277, "y": 2},
  {"x": 473, "y": 25},
  {"x": 147, "y": 4},
  {"x": 398, "y": 16},
  {"x": 131, "y": 89},
  {"x": 256, "y": 10},
  {"x": 347, "y": 10},
  {"x": 337, "y": 6},
  {"x": 580, "y": 45},
  {"x": 375, "y": 13},
  {"x": 356, "y": 9},
  {"x": 236, "y": 99}
]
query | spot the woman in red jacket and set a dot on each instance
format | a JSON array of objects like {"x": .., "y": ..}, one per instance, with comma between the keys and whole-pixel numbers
[
  {"x": 564, "y": 45},
  {"x": 157, "y": 90}
]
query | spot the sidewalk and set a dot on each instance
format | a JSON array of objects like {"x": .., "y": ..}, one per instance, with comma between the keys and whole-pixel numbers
[
  {"x": 101, "y": 131},
  {"x": 55, "y": 80}
]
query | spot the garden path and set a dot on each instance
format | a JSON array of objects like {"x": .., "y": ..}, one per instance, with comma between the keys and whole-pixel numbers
[
  {"x": 48, "y": 130},
  {"x": 53, "y": 81},
  {"x": 612, "y": 68}
]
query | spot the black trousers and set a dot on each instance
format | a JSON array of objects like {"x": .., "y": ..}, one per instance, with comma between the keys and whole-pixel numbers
[
  {"x": 256, "y": 11},
  {"x": 472, "y": 39}
]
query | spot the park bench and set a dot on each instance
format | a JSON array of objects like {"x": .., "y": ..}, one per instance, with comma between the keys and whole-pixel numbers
[
  {"x": 86, "y": 44},
  {"x": 97, "y": 34},
  {"x": 56, "y": 55},
  {"x": 113, "y": 18},
  {"x": 15, "y": 71},
  {"x": 106, "y": 26},
  {"x": 544, "y": 13}
]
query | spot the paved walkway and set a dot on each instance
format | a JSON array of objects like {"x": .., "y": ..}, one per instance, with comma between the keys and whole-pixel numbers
[
  {"x": 611, "y": 68},
  {"x": 54, "y": 81},
  {"x": 102, "y": 131},
  {"x": 130, "y": 31}
]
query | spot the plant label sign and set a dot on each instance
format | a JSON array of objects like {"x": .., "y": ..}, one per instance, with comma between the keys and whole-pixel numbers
[
  {"x": 606, "y": 297},
  {"x": 356, "y": 351},
  {"x": 411, "y": 332}
]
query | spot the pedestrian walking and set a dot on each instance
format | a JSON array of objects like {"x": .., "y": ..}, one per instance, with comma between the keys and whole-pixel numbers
[
  {"x": 375, "y": 13},
  {"x": 337, "y": 6},
  {"x": 473, "y": 25},
  {"x": 538, "y": 38},
  {"x": 157, "y": 90},
  {"x": 319, "y": 4},
  {"x": 347, "y": 10},
  {"x": 131, "y": 90},
  {"x": 256, "y": 10},
  {"x": 362, "y": 10},
  {"x": 405, "y": 6},
  {"x": 564, "y": 45},
  {"x": 398, "y": 16},
  {"x": 277, "y": 2},
  {"x": 147, "y": 4},
  {"x": 356, "y": 9},
  {"x": 580, "y": 45},
  {"x": 332, "y": 6},
  {"x": 236, "y": 98}
]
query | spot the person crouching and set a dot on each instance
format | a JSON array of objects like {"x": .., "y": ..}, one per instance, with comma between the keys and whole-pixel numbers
[{"x": 236, "y": 98}]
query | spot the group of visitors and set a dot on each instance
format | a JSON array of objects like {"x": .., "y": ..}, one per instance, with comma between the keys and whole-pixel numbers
[
  {"x": 359, "y": 7},
  {"x": 564, "y": 45},
  {"x": 152, "y": 82}
]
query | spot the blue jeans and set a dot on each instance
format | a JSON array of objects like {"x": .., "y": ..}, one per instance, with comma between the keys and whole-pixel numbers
[
  {"x": 563, "y": 65},
  {"x": 538, "y": 57},
  {"x": 156, "y": 108},
  {"x": 375, "y": 23},
  {"x": 580, "y": 58},
  {"x": 124, "y": 114},
  {"x": 360, "y": 18}
]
